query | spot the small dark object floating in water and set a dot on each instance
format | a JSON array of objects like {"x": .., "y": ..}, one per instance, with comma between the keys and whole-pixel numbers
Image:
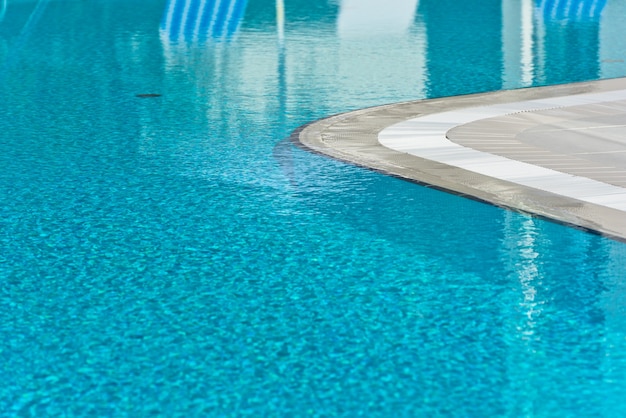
[{"x": 146, "y": 95}]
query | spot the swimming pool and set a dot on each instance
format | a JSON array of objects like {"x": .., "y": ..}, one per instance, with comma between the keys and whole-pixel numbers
[{"x": 174, "y": 255}]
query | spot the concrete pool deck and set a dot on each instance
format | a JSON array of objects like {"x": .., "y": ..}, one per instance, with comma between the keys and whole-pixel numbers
[{"x": 557, "y": 152}]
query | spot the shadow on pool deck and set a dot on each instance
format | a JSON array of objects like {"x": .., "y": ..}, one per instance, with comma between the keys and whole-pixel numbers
[{"x": 557, "y": 152}]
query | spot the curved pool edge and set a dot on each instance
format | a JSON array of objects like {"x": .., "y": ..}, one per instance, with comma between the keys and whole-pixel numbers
[{"x": 353, "y": 137}]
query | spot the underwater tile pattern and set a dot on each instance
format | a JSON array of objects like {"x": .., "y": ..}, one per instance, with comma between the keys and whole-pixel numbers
[{"x": 165, "y": 251}]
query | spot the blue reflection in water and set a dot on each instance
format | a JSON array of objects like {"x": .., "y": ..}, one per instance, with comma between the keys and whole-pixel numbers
[
  {"x": 568, "y": 39},
  {"x": 576, "y": 10},
  {"x": 197, "y": 20}
]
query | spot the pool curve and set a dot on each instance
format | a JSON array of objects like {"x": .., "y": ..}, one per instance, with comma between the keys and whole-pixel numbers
[{"x": 420, "y": 141}]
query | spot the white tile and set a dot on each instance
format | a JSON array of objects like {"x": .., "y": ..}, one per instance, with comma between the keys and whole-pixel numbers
[{"x": 425, "y": 137}]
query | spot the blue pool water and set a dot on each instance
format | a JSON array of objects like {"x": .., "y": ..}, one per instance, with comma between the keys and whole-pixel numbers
[{"x": 177, "y": 256}]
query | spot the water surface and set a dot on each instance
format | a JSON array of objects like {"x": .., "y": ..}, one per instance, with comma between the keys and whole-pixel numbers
[{"x": 173, "y": 255}]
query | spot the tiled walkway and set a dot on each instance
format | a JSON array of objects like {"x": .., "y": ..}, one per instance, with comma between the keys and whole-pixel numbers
[{"x": 557, "y": 152}]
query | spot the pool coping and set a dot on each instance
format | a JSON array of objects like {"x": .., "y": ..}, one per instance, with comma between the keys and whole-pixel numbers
[{"x": 354, "y": 137}]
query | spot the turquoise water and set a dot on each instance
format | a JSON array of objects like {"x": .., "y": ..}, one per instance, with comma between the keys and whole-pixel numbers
[{"x": 176, "y": 256}]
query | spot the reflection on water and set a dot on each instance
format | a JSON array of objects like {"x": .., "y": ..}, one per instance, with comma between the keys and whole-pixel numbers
[
  {"x": 574, "y": 289},
  {"x": 543, "y": 40},
  {"x": 612, "y": 39},
  {"x": 518, "y": 41},
  {"x": 3, "y": 9},
  {"x": 430, "y": 43},
  {"x": 199, "y": 20},
  {"x": 374, "y": 17},
  {"x": 13, "y": 51},
  {"x": 567, "y": 39},
  {"x": 571, "y": 10}
]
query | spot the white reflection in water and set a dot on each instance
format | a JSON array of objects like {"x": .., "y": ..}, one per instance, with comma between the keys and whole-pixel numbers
[
  {"x": 517, "y": 43},
  {"x": 375, "y": 36},
  {"x": 375, "y": 17},
  {"x": 528, "y": 273},
  {"x": 3, "y": 9},
  {"x": 521, "y": 255},
  {"x": 612, "y": 40}
]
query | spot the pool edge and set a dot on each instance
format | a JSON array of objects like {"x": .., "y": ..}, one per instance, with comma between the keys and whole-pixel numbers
[{"x": 352, "y": 137}]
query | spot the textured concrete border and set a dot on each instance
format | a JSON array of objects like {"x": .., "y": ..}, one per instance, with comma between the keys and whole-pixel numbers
[{"x": 353, "y": 137}]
